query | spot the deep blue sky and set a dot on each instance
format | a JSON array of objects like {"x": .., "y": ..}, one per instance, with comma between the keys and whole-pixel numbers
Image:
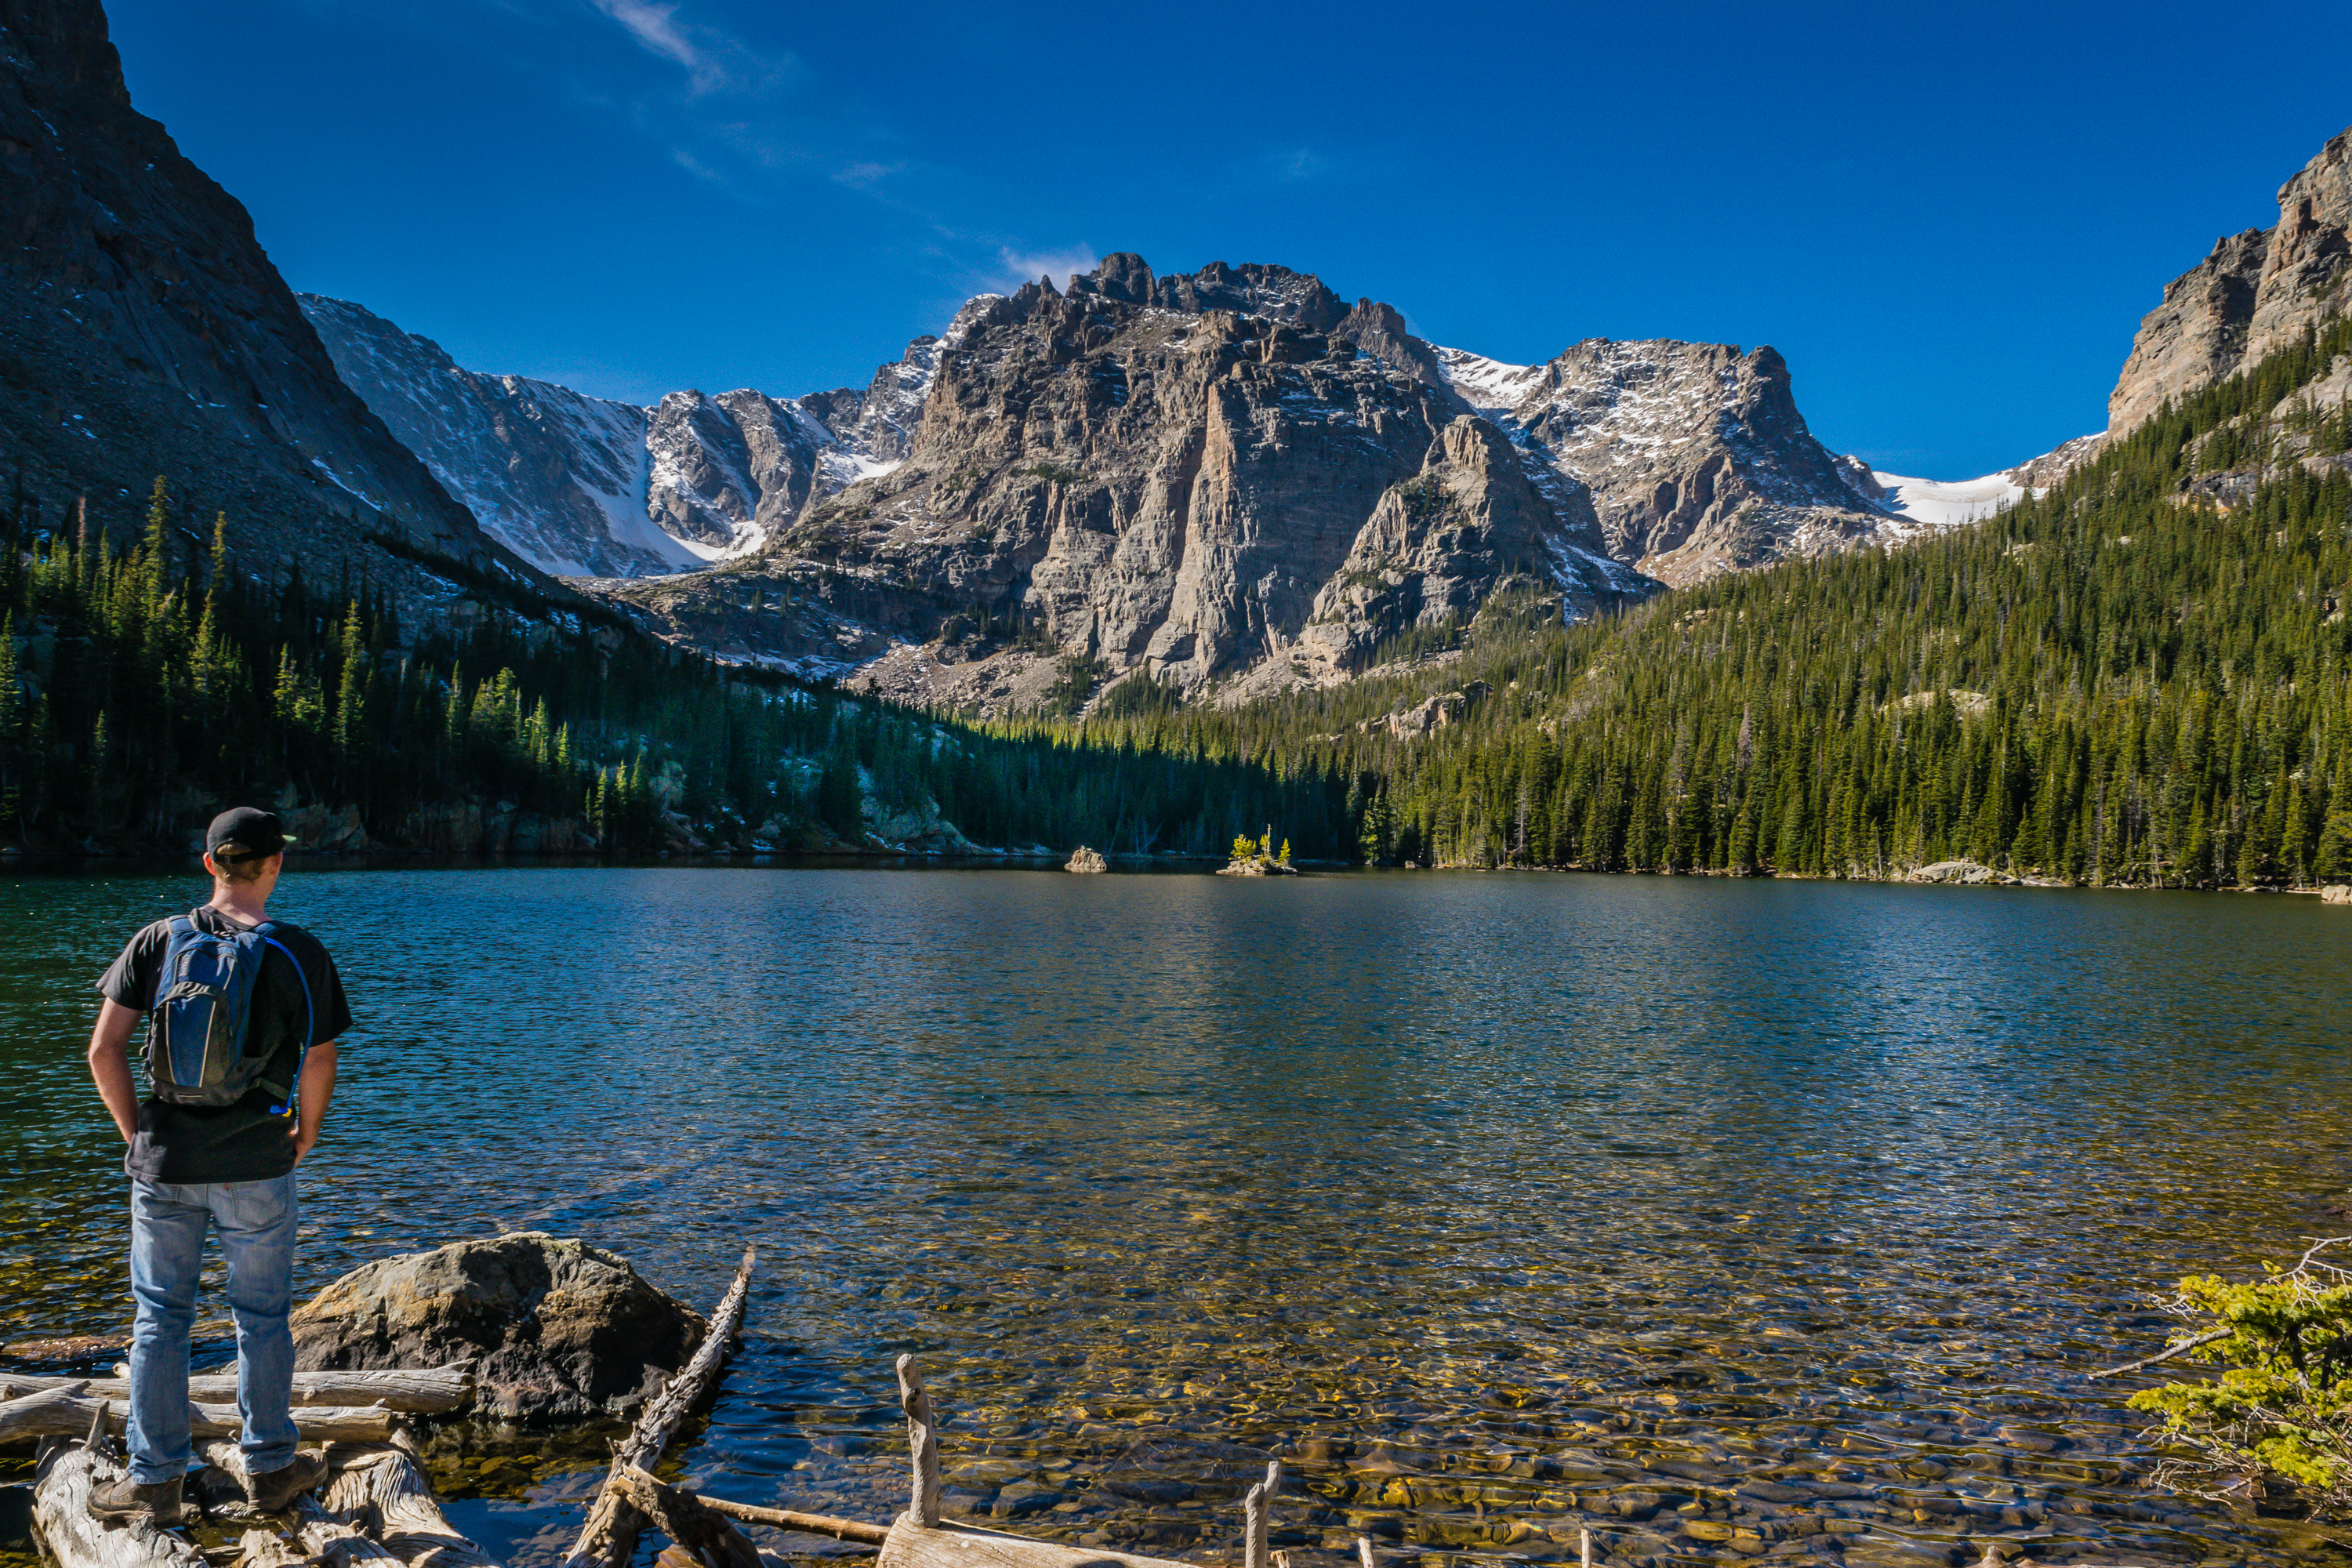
[{"x": 1949, "y": 218}]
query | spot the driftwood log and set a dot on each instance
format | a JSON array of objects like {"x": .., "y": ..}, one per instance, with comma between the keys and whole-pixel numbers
[
  {"x": 855, "y": 1529},
  {"x": 376, "y": 1506},
  {"x": 1253, "y": 1511},
  {"x": 67, "y": 1475},
  {"x": 610, "y": 1534},
  {"x": 913, "y": 1545},
  {"x": 64, "y": 1412},
  {"x": 424, "y": 1390},
  {"x": 923, "y": 1443},
  {"x": 705, "y": 1534}
]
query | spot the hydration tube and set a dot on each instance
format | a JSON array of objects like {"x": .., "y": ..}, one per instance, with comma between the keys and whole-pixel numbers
[{"x": 310, "y": 1024}]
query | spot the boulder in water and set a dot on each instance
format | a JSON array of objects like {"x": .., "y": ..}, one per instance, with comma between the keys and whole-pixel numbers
[{"x": 557, "y": 1329}]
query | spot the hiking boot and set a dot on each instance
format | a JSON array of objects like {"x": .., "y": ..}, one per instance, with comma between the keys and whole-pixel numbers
[
  {"x": 123, "y": 1498},
  {"x": 274, "y": 1491}
]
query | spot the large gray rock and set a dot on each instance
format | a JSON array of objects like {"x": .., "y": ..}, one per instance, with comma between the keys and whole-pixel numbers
[
  {"x": 556, "y": 1329},
  {"x": 2254, "y": 294},
  {"x": 1968, "y": 873}
]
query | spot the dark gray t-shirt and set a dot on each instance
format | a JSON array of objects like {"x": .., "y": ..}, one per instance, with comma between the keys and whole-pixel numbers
[{"x": 240, "y": 1143}]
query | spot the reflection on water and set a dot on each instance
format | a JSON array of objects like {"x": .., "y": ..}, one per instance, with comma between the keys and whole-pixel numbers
[{"x": 1730, "y": 1219}]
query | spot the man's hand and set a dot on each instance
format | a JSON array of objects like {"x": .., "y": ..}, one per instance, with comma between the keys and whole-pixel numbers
[
  {"x": 310, "y": 1096},
  {"x": 109, "y": 1065}
]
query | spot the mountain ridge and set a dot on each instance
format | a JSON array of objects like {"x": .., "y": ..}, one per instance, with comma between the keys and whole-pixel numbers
[
  {"x": 1616, "y": 466},
  {"x": 143, "y": 331}
]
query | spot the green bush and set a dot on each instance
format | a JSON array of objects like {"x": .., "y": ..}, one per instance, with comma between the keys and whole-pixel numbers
[{"x": 2279, "y": 1418}]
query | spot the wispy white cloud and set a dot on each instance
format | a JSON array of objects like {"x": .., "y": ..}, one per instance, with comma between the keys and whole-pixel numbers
[
  {"x": 1297, "y": 163},
  {"x": 1026, "y": 267},
  {"x": 654, "y": 27},
  {"x": 714, "y": 60},
  {"x": 865, "y": 175}
]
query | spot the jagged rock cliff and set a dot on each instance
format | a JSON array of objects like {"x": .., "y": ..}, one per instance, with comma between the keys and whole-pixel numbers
[
  {"x": 558, "y": 475},
  {"x": 1209, "y": 476},
  {"x": 1230, "y": 478},
  {"x": 2254, "y": 294},
  {"x": 143, "y": 331},
  {"x": 1697, "y": 460},
  {"x": 588, "y": 487},
  {"x": 1116, "y": 478}
]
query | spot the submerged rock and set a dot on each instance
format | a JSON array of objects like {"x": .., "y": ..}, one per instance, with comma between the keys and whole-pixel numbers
[{"x": 557, "y": 1329}]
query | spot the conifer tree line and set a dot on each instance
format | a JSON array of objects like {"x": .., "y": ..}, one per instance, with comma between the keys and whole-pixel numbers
[
  {"x": 2119, "y": 682},
  {"x": 143, "y": 685},
  {"x": 2123, "y": 681}
]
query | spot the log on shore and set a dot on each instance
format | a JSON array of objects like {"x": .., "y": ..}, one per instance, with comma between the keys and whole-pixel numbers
[
  {"x": 419, "y": 1391},
  {"x": 915, "y": 1545},
  {"x": 381, "y": 1493},
  {"x": 855, "y": 1529},
  {"x": 62, "y": 1524},
  {"x": 62, "y": 1413},
  {"x": 706, "y": 1534},
  {"x": 610, "y": 1534}
]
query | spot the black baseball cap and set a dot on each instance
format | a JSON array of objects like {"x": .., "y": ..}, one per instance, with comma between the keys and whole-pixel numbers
[{"x": 244, "y": 833}]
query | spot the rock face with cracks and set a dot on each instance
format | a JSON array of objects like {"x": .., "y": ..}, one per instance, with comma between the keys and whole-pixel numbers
[
  {"x": 2256, "y": 293},
  {"x": 143, "y": 331},
  {"x": 1230, "y": 481},
  {"x": 557, "y": 1329},
  {"x": 1117, "y": 480}
]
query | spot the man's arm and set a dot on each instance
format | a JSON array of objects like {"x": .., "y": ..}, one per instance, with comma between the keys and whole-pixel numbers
[
  {"x": 318, "y": 1087},
  {"x": 109, "y": 1065}
]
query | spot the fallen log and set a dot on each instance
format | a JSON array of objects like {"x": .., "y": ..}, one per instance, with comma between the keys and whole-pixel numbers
[
  {"x": 62, "y": 1524},
  {"x": 703, "y": 1532},
  {"x": 855, "y": 1529},
  {"x": 379, "y": 1487},
  {"x": 915, "y": 1545},
  {"x": 610, "y": 1534},
  {"x": 62, "y": 1413},
  {"x": 420, "y": 1391}
]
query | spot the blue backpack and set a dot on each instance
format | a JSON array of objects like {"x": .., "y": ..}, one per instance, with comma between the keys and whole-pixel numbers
[{"x": 200, "y": 1033}]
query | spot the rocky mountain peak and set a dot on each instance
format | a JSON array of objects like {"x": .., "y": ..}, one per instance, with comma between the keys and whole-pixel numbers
[
  {"x": 2255, "y": 293},
  {"x": 143, "y": 331}
]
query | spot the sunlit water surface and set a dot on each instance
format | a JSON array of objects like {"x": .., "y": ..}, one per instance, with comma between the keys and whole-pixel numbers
[{"x": 1726, "y": 1218}]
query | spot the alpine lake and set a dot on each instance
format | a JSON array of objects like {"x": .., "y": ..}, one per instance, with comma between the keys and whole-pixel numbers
[{"x": 1732, "y": 1220}]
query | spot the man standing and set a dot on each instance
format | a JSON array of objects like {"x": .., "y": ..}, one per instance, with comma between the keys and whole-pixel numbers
[{"x": 243, "y": 1016}]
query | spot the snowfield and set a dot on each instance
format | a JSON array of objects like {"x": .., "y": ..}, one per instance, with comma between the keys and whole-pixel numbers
[{"x": 1937, "y": 504}]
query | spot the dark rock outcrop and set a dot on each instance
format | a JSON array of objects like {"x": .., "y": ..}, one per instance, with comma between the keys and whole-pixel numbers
[
  {"x": 2254, "y": 294},
  {"x": 556, "y": 1329},
  {"x": 143, "y": 331}
]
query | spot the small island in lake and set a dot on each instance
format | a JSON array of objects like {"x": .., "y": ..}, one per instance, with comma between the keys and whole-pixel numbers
[{"x": 1258, "y": 857}]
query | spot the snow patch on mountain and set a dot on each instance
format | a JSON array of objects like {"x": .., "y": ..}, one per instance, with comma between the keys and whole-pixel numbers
[
  {"x": 1936, "y": 505},
  {"x": 588, "y": 487},
  {"x": 554, "y": 475},
  {"x": 1490, "y": 387}
]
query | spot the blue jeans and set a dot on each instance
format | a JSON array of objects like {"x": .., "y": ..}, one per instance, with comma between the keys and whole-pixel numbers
[{"x": 167, "y": 1246}]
